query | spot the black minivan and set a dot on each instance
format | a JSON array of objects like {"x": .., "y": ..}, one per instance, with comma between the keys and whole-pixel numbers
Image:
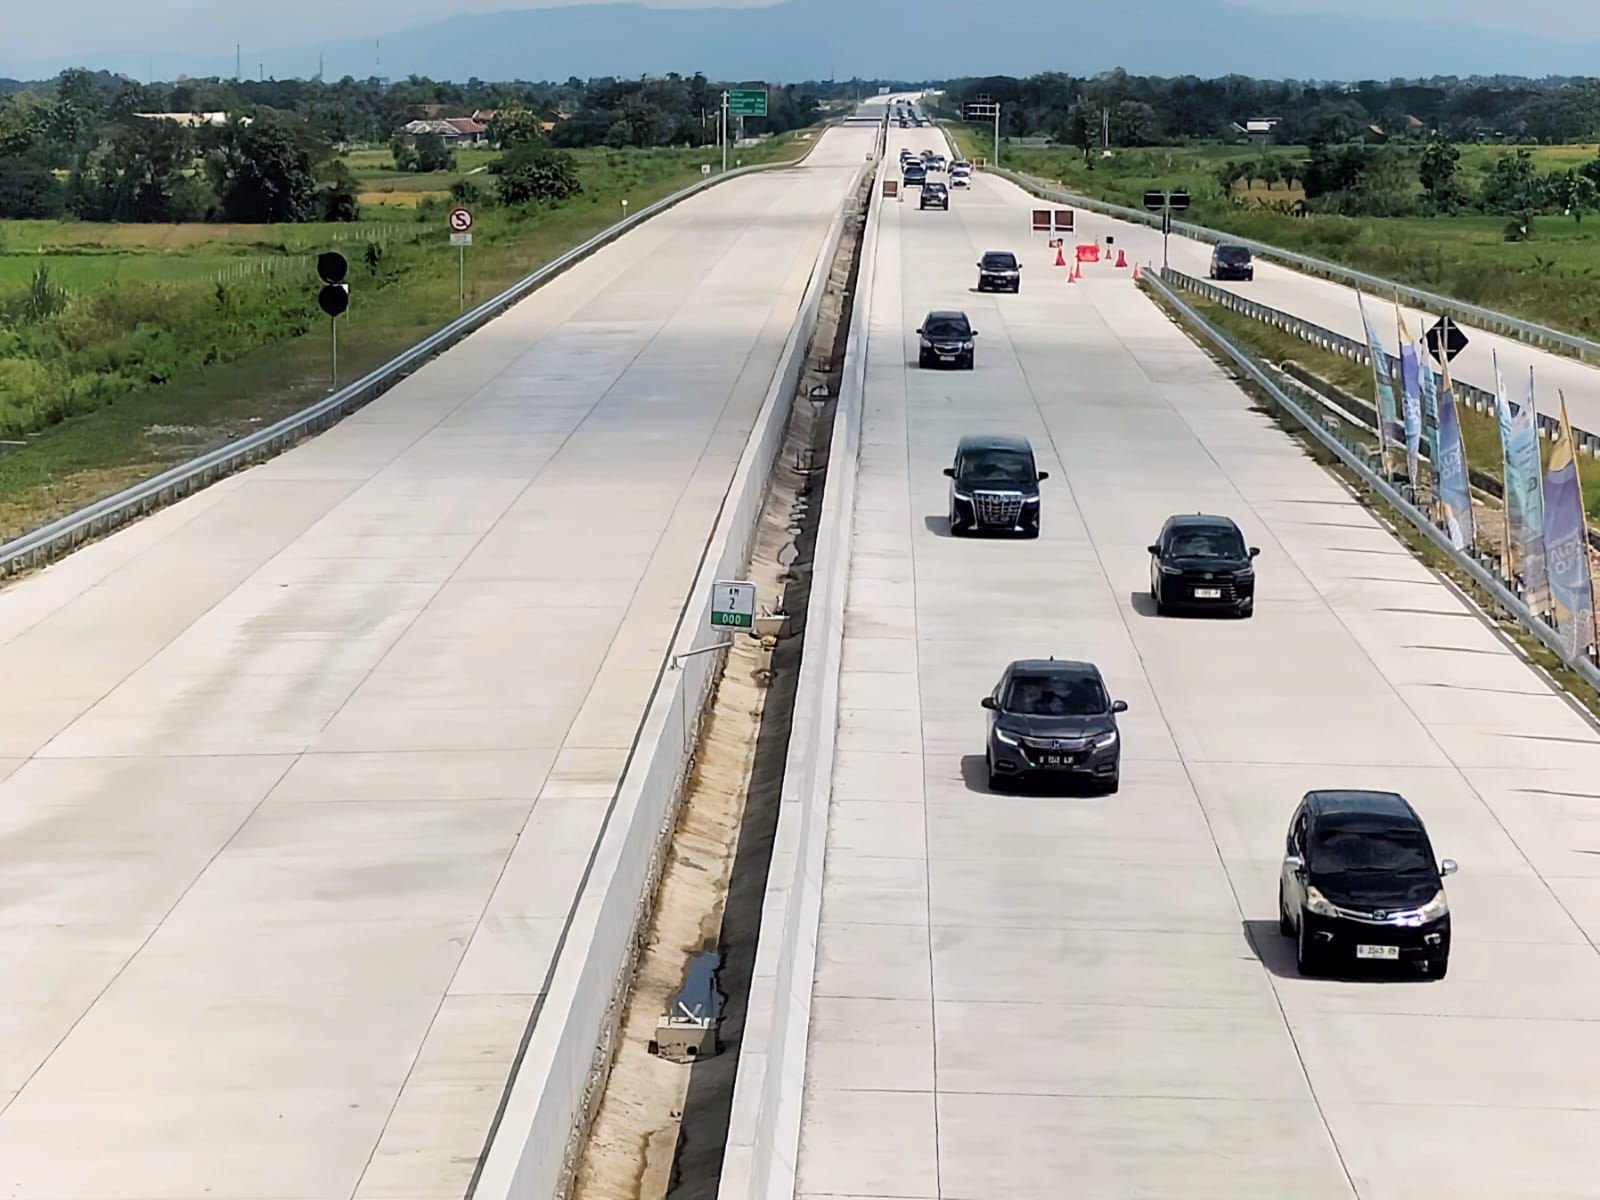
[
  {"x": 1229, "y": 260},
  {"x": 1360, "y": 884},
  {"x": 994, "y": 487}
]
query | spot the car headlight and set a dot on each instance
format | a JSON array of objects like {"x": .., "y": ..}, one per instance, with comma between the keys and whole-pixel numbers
[
  {"x": 1105, "y": 739},
  {"x": 964, "y": 497},
  {"x": 1007, "y": 738},
  {"x": 927, "y": 341},
  {"x": 967, "y": 345},
  {"x": 1166, "y": 570},
  {"x": 1030, "y": 499},
  {"x": 1318, "y": 903},
  {"x": 1433, "y": 909}
]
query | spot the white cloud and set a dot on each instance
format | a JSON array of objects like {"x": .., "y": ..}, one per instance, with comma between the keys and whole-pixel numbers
[{"x": 1573, "y": 20}]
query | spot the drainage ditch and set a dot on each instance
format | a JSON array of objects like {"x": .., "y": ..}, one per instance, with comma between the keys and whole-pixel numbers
[{"x": 663, "y": 1120}]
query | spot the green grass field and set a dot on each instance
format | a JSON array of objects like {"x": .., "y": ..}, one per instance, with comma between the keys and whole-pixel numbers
[
  {"x": 1550, "y": 278},
  {"x": 189, "y": 364}
]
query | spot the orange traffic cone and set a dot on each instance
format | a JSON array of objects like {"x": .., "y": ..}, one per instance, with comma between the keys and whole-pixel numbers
[
  {"x": 1061, "y": 260},
  {"x": 1122, "y": 260},
  {"x": 1136, "y": 272}
]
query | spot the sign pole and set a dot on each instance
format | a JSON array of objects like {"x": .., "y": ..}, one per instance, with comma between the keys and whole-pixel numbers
[
  {"x": 461, "y": 278},
  {"x": 333, "y": 323},
  {"x": 997, "y": 135},
  {"x": 724, "y": 133}
]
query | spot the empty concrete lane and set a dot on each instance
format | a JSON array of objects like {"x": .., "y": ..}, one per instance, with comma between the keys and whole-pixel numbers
[
  {"x": 298, "y": 777},
  {"x": 1034, "y": 996}
]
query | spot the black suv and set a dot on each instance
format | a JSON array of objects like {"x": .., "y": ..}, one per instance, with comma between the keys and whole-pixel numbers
[
  {"x": 999, "y": 271},
  {"x": 1232, "y": 261},
  {"x": 1201, "y": 563},
  {"x": 935, "y": 195},
  {"x": 994, "y": 486},
  {"x": 1360, "y": 884},
  {"x": 948, "y": 339},
  {"x": 1053, "y": 719}
]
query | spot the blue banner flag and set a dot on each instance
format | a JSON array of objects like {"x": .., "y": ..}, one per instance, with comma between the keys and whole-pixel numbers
[
  {"x": 1523, "y": 482},
  {"x": 1391, "y": 433},
  {"x": 1410, "y": 395},
  {"x": 1567, "y": 540},
  {"x": 1450, "y": 469},
  {"x": 1430, "y": 415}
]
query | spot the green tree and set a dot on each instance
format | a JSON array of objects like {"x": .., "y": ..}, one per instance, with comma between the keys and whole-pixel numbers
[
  {"x": 1437, "y": 172},
  {"x": 29, "y": 189},
  {"x": 140, "y": 173},
  {"x": 512, "y": 127},
  {"x": 530, "y": 174},
  {"x": 337, "y": 194},
  {"x": 1513, "y": 186},
  {"x": 1135, "y": 123},
  {"x": 405, "y": 157},
  {"x": 1577, "y": 194},
  {"x": 264, "y": 171},
  {"x": 433, "y": 154}
]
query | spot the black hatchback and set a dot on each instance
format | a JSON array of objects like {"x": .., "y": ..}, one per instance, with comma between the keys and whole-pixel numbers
[
  {"x": 999, "y": 271},
  {"x": 948, "y": 339},
  {"x": 1200, "y": 563},
  {"x": 994, "y": 487},
  {"x": 1229, "y": 260},
  {"x": 1360, "y": 884}
]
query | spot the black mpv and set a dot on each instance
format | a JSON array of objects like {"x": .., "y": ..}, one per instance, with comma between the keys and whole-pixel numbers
[
  {"x": 994, "y": 487},
  {"x": 1360, "y": 885},
  {"x": 1200, "y": 563},
  {"x": 947, "y": 340},
  {"x": 999, "y": 271}
]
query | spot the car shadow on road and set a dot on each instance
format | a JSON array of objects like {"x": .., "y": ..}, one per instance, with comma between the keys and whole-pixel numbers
[
  {"x": 1276, "y": 953},
  {"x": 1142, "y": 603},
  {"x": 939, "y": 525}
]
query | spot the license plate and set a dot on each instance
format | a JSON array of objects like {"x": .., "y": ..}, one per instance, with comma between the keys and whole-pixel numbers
[
  {"x": 1208, "y": 593},
  {"x": 1385, "y": 952},
  {"x": 1057, "y": 760},
  {"x": 947, "y": 358}
]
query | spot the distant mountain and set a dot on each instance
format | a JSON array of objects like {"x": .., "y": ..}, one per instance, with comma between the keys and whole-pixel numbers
[{"x": 932, "y": 39}]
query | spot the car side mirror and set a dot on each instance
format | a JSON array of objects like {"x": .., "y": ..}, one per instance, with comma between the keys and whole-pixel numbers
[
  {"x": 989, "y": 703},
  {"x": 950, "y": 472},
  {"x": 919, "y": 328},
  {"x": 978, "y": 265},
  {"x": 1119, "y": 706},
  {"x": 1294, "y": 862},
  {"x": 1255, "y": 551},
  {"x": 1153, "y": 549},
  {"x": 1448, "y": 867},
  {"x": 1043, "y": 475},
  {"x": 972, "y": 333}
]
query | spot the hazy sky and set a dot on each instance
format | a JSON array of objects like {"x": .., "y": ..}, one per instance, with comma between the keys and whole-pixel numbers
[{"x": 88, "y": 31}]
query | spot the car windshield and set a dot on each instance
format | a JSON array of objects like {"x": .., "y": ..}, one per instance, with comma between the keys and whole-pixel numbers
[
  {"x": 1000, "y": 262},
  {"x": 1206, "y": 542},
  {"x": 945, "y": 327},
  {"x": 1369, "y": 849},
  {"x": 1233, "y": 254},
  {"x": 1055, "y": 696},
  {"x": 996, "y": 466}
]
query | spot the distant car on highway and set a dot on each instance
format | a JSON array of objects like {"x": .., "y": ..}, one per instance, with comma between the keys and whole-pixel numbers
[
  {"x": 1229, "y": 260},
  {"x": 1359, "y": 884},
  {"x": 1050, "y": 719},
  {"x": 914, "y": 174},
  {"x": 999, "y": 271},
  {"x": 960, "y": 181},
  {"x": 948, "y": 339},
  {"x": 961, "y": 164},
  {"x": 994, "y": 487},
  {"x": 935, "y": 195},
  {"x": 1201, "y": 562},
  {"x": 936, "y": 163}
]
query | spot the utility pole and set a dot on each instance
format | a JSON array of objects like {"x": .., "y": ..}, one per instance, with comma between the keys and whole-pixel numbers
[
  {"x": 1105, "y": 123},
  {"x": 724, "y": 133},
  {"x": 238, "y": 68}
]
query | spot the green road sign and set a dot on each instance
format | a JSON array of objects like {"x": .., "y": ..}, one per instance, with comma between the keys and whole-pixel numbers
[
  {"x": 749, "y": 102},
  {"x": 733, "y": 604}
]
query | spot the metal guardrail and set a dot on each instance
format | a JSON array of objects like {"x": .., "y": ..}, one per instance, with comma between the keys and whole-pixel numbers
[
  {"x": 1534, "y": 334},
  {"x": 100, "y": 518},
  {"x": 1475, "y": 398},
  {"x": 1358, "y": 458}
]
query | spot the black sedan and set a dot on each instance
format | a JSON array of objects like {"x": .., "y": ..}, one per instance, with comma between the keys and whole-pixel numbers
[
  {"x": 999, "y": 271},
  {"x": 1200, "y": 563},
  {"x": 948, "y": 339},
  {"x": 1050, "y": 719},
  {"x": 994, "y": 487},
  {"x": 1360, "y": 886}
]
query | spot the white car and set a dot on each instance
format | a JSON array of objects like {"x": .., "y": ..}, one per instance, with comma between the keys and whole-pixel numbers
[{"x": 959, "y": 180}]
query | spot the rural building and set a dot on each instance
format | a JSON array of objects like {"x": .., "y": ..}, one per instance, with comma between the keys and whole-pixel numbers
[
  {"x": 456, "y": 131},
  {"x": 1256, "y": 131},
  {"x": 192, "y": 120}
]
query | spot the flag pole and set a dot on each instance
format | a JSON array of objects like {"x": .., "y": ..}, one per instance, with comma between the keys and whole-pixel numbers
[{"x": 1583, "y": 516}]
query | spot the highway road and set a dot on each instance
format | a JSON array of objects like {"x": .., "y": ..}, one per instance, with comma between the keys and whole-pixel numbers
[
  {"x": 1333, "y": 306},
  {"x": 298, "y": 777},
  {"x": 1034, "y": 996}
]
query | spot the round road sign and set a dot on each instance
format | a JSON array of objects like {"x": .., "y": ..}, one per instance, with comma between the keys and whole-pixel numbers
[{"x": 460, "y": 220}]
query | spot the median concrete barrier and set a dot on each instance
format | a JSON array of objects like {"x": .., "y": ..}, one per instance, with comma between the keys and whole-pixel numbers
[
  {"x": 764, "y": 1125},
  {"x": 561, "y": 1069}
]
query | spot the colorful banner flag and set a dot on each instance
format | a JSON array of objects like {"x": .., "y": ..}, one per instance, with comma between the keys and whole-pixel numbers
[
  {"x": 1450, "y": 468},
  {"x": 1524, "y": 482},
  {"x": 1410, "y": 396},
  {"x": 1567, "y": 538},
  {"x": 1430, "y": 415},
  {"x": 1391, "y": 433}
]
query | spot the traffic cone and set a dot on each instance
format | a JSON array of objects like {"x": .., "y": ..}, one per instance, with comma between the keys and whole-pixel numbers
[
  {"x": 1061, "y": 260},
  {"x": 1122, "y": 260},
  {"x": 1136, "y": 272}
]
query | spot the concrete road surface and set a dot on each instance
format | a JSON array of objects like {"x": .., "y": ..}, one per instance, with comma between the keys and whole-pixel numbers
[
  {"x": 299, "y": 775},
  {"x": 1034, "y": 997}
]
